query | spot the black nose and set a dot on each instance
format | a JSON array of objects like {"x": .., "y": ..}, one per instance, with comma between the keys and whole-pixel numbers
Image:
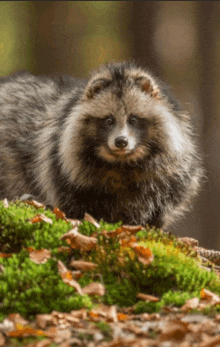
[{"x": 121, "y": 142}]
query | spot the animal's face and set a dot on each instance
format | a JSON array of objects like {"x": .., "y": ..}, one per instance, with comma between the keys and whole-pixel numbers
[{"x": 127, "y": 117}]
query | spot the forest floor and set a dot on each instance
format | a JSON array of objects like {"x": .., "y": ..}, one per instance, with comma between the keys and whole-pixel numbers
[{"x": 194, "y": 322}]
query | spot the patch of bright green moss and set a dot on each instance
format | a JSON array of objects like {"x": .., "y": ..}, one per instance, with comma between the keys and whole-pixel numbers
[{"x": 28, "y": 288}]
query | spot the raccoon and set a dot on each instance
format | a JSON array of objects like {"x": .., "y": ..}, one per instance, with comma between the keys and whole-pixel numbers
[{"x": 117, "y": 146}]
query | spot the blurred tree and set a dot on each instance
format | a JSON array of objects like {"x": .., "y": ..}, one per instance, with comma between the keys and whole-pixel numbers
[
  {"x": 15, "y": 23},
  {"x": 74, "y": 37},
  {"x": 143, "y": 20},
  {"x": 208, "y": 15}
]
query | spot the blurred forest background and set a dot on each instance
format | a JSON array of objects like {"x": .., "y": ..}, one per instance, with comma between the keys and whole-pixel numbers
[{"x": 177, "y": 40}]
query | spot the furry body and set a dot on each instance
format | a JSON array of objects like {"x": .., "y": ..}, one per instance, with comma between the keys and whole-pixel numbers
[{"x": 117, "y": 146}]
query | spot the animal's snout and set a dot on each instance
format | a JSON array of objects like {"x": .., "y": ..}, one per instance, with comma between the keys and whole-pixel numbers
[{"x": 121, "y": 142}]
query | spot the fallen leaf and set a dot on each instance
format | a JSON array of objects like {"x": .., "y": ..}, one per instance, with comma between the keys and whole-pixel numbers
[
  {"x": 147, "y": 297},
  {"x": 5, "y": 203},
  {"x": 122, "y": 317},
  {"x": 213, "y": 341},
  {"x": 123, "y": 231},
  {"x": 145, "y": 255},
  {"x": 58, "y": 334},
  {"x": 79, "y": 241},
  {"x": 189, "y": 241},
  {"x": 89, "y": 218},
  {"x": 112, "y": 314},
  {"x": 43, "y": 320},
  {"x": 41, "y": 218},
  {"x": 208, "y": 298},
  {"x": 17, "y": 319},
  {"x": 2, "y": 340},
  {"x": 41, "y": 343},
  {"x": 83, "y": 265},
  {"x": 112, "y": 233},
  {"x": 5, "y": 255},
  {"x": 68, "y": 278},
  {"x": 82, "y": 314},
  {"x": 106, "y": 312},
  {"x": 59, "y": 214},
  {"x": 63, "y": 249},
  {"x": 35, "y": 203},
  {"x": 190, "y": 304},
  {"x": 174, "y": 330},
  {"x": 128, "y": 242},
  {"x": 76, "y": 274},
  {"x": 40, "y": 256},
  {"x": 94, "y": 289},
  {"x": 132, "y": 229},
  {"x": 22, "y": 331},
  {"x": 7, "y": 326},
  {"x": 74, "y": 222}
]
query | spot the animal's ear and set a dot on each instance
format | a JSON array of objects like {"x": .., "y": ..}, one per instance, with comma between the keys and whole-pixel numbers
[
  {"x": 94, "y": 87},
  {"x": 148, "y": 86}
]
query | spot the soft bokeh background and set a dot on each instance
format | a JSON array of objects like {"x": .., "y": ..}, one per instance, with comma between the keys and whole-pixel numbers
[{"x": 178, "y": 40}]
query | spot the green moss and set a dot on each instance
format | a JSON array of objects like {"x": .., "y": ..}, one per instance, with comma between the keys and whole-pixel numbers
[{"x": 28, "y": 288}]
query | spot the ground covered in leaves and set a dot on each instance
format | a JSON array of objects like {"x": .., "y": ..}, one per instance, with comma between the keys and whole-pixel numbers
[{"x": 83, "y": 283}]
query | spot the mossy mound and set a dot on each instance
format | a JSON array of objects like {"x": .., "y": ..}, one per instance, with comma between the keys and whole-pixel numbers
[{"x": 29, "y": 288}]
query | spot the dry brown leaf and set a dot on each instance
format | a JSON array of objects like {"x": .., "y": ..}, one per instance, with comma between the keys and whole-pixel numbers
[
  {"x": 112, "y": 314},
  {"x": 35, "y": 203},
  {"x": 5, "y": 255},
  {"x": 208, "y": 298},
  {"x": 83, "y": 265},
  {"x": 41, "y": 218},
  {"x": 74, "y": 222},
  {"x": 43, "y": 320},
  {"x": 40, "y": 256},
  {"x": 147, "y": 297},
  {"x": 7, "y": 326},
  {"x": 63, "y": 249},
  {"x": 59, "y": 214},
  {"x": 59, "y": 335},
  {"x": 79, "y": 241},
  {"x": 213, "y": 341},
  {"x": 42, "y": 343},
  {"x": 145, "y": 255},
  {"x": 189, "y": 241},
  {"x": 2, "y": 340},
  {"x": 82, "y": 314},
  {"x": 76, "y": 274},
  {"x": 190, "y": 304},
  {"x": 106, "y": 312},
  {"x": 122, "y": 317},
  {"x": 68, "y": 278},
  {"x": 94, "y": 289},
  {"x": 89, "y": 218},
  {"x": 132, "y": 229},
  {"x": 17, "y": 319},
  {"x": 57, "y": 318},
  {"x": 175, "y": 329},
  {"x": 22, "y": 331},
  {"x": 111, "y": 233},
  {"x": 5, "y": 203},
  {"x": 123, "y": 231},
  {"x": 128, "y": 242}
]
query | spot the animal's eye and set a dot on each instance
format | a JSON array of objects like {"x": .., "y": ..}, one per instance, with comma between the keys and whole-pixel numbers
[
  {"x": 133, "y": 120},
  {"x": 109, "y": 120}
]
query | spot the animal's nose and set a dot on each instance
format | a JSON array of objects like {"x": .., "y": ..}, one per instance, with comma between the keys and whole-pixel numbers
[{"x": 121, "y": 142}]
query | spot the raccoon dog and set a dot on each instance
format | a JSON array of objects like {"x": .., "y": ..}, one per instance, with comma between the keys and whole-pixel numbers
[{"x": 117, "y": 146}]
